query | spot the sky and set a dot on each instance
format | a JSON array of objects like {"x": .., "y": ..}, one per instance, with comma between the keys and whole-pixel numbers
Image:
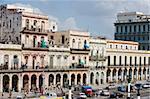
[{"x": 94, "y": 16}]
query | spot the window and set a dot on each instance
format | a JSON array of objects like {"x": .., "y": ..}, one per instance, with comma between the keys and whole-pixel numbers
[
  {"x": 52, "y": 37},
  {"x": 114, "y": 60},
  {"x": 130, "y": 61},
  {"x": 125, "y": 60},
  {"x": 117, "y": 29},
  {"x": 134, "y": 28},
  {"x": 135, "y": 61},
  {"x": 143, "y": 28},
  {"x": 116, "y": 46},
  {"x": 27, "y": 23},
  {"x": 139, "y": 28},
  {"x": 110, "y": 46},
  {"x": 121, "y": 29},
  {"x": 130, "y": 28},
  {"x": 85, "y": 60},
  {"x": 120, "y": 60},
  {"x": 126, "y": 29},
  {"x": 63, "y": 39},
  {"x": 73, "y": 57},
  {"x": 144, "y": 60},
  {"x": 140, "y": 61},
  {"x": 108, "y": 60}
]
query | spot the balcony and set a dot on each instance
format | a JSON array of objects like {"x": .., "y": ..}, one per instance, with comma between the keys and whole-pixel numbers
[
  {"x": 33, "y": 30},
  {"x": 10, "y": 46},
  {"x": 97, "y": 58},
  {"x": 39, "y": 47}
]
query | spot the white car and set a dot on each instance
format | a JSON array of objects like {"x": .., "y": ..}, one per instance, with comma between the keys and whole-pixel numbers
[
  {"x": 105, "y": 93},
  {"x": 147, "y": 85},
  {"x": 111, "y": 86},
  {"x": 82, "y": 96}
]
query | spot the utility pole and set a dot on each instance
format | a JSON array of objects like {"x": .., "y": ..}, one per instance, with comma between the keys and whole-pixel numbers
[{"x": 129, "y": 84}]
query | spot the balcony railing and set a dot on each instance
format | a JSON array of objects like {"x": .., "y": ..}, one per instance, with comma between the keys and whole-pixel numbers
[{"x": 97, "y": 58}]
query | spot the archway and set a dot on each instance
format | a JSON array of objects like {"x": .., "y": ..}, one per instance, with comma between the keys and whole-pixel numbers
[
  {"x": 91, "y": 78},
  {"x": 51, "y": 79},
  {"x": 97, "y": 78},
  {"x": 41, "y": 81},
  {"x": 130, "y": 73},
  {"x": 15, "y": 83},
  {"x": 119, "y": 75},
  {"x": 135, "y": 74},
  {"x": 58, "y": 79},
  {"x": 73, "y": 79},
  {"x": 144, "y": 73},
  {"x": 125, "y": 74},
  {"x": 65, "y": 80},
  {"x": 6, "y": 83},
  {"x": 33, "y": 82},
  {"x": 102, "y": 77},
  {"x": 139, "y": 74},
  {"x": 26, "y": 82},
  {"x": 78, "y": 79},
  {"x": 114, "y": 75},
  {"x": 84, "y": 79},
  {"x": 108, "y": 75}
]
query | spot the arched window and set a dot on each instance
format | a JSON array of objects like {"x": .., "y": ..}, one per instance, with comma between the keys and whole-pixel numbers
[
  {"x": 16, "y": 61},
  {"x": 120, "y": 61},
  {"x": 42, "y": 26},
  {"x": 108, "y": 60},
  {"x": 27, "y": 23},
  {"x": 73, "y": 43},
  {"x": 125, "y": 61},
  {"x": 6, "y": 61},
  {"x": 130, "y": 60}
]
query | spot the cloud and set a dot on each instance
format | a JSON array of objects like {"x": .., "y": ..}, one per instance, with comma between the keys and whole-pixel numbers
[{"x": 69, "y": 23}]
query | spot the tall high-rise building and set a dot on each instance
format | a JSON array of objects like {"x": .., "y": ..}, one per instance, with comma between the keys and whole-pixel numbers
[{"x": 133, "y": 26}]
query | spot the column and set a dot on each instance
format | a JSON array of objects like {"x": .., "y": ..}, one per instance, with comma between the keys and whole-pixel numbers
[
  {"x": 29, "y": 62},
  {"x": 75, "y": 79},
  {"x": 37, "y": 81},
  {"x": 20, "y": 82},
  {"x": 10, "y": 82},
  {"x": 87, "y": 78},
  {"x": 29, "y": 82},
  {"x": 116, "y": 75},
  {"x": 1, "y": 82},
  {"x": 69, "y": 77},
  {"x": 10, "y": 62},
  {"x": 122, "y": 72},
  {"x": 54, "y": 80},
  {"x": 132, "y": 74},
  {"x": 81, "y": 79},
  {"x": 146, "y": 73},
  {"x": 142, "y": 73},
  {"x": 61, "y": 80}
]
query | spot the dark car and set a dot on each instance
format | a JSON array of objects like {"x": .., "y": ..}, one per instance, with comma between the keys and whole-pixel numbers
[
  {"x": 122, "y": 88},
  {"x": 116, "y": 95},
  {"x": 138, "y": 86}
]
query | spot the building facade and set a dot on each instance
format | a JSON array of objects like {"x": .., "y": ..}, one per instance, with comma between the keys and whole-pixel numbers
[
  {"x": 133, "y": 26},
  {"x": 46, "y": 58}
]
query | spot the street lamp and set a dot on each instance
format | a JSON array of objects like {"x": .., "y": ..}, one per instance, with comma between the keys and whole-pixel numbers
[{"x": 129, "y": 84}]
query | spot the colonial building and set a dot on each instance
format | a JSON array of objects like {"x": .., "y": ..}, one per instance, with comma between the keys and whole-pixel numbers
[
  {"x": 44, "y": 57},
  {"x": 133, "y": 26}
]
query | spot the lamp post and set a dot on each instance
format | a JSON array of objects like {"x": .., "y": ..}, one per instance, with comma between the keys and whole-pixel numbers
[
  {"x": 138, "y": 94},
  {"x": 129, "y": 83}
]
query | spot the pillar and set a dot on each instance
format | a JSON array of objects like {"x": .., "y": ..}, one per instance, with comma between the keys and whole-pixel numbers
[
  {"x": 10, "y": 82},
  {"x": 37, "y": 81},
  {"x": 61, "y": 80},
  {"x": 1, "y": 82},
  {"x": 46, "y": 80},
  {"x": 10, "y": 65},
  {"x": 69, "y": 77},
  {"x": 111, "y": 74},
  {"x": 81, "y": 81},
  {"x": 75, "y": 79},
  {"x": 29, "y": 62},
  {"x": 54, "y": 82},
  {"x": 29, "y": 82},
  {"x": 116, "y": 75},
  {"x": 122, "y": 72},
  {"x": 20, "y": 82}
]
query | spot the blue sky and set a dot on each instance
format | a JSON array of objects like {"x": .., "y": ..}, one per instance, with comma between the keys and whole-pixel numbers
[{"x": 96, "y": 16}]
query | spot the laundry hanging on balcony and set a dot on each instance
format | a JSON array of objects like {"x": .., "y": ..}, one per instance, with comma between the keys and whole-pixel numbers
[
  {"x": 43, "y": 44},
  {"x": 86, "y": 46},
  {"x": 82, "y": 62}
]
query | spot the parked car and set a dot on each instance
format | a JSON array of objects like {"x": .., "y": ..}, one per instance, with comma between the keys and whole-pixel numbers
[
  {"x": 82, "y": 96},
  {"x": 138, "y": 86},
  {"x": 105, "y": 93},
  {"x": 122, "y": 88},
  {"x": 147, "y": 85},
  {"x": 116, "y": 95}
]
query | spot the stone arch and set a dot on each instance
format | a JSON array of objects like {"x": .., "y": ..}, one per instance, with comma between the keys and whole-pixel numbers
[
  {"x": 58, "y": 79},
  {"x": 84, "y": 79},
  {"x": 33, "y": 82},
  {"x": 51, "y": 79},
  {"x": 92, "y": 78},
  {"x": 97, "y": 78},
  {"x": 139, "y": 73},
  {"x": 72, "y": 79},
  {"x": 26, "y": 82},
  {"x": 119, "y": 74},
  {"x": 65, "y": 80},
  {"x": 108, "y": 75},
  {"x": 6, "y": 81},
  {"x": 41, "y": 81},
  {"x": 102, "y": 77},
  {"x": 78, "y": 79},
  {"x": 15, "y": 80},
  {"x": 114, "y": 72}
]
